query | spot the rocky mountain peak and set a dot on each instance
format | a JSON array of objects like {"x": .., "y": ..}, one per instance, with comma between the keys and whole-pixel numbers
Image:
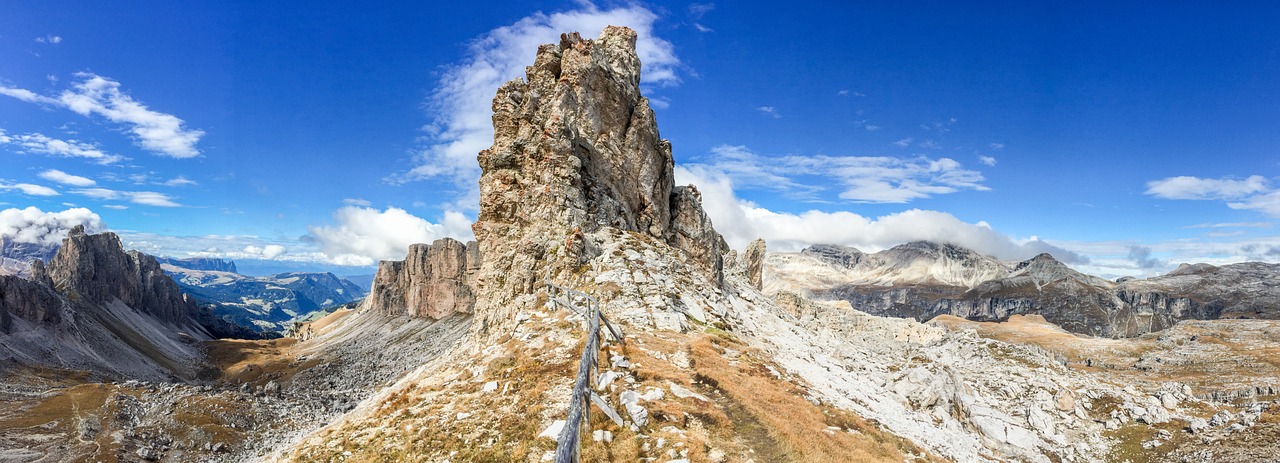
[
  {"x": 433, "y": 281},
  {"x": 843, "y": 256},
  {"x": 1191, "y": 269},
  {"x": 96, "y": 268},
  {"x": 576, "y": 150}
]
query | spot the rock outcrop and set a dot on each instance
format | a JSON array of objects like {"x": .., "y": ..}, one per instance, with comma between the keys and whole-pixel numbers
[
  {"x": 96, "y": 268},
  {"x": 433, "y": 281},
  {"x": 576, "y": 150},
  {"x": 753, "y": 260}
]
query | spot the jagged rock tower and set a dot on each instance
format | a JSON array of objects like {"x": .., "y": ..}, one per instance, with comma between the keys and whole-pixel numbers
[{"x": 576, "y": 150}]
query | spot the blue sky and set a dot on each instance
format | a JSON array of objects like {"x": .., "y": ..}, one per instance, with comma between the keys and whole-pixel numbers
[{"x": 1123, "y": 138}]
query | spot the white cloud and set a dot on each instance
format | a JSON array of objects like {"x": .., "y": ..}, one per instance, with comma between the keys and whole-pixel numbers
[
  {"x": 1232, "y": 225},
  {"x": 147, "y": 198},
  {"x": 987, "y": 160},
  {"x": 180, "y": 181},
  {"x": 39, "y": 143},
  {"x": 905, "y": 142},
  {"x": 268, "y": 252},
  {"x": 770, "y": 111},
  {"x": 742, "y": 221},
  {"x": 163, "y": 134},
  {"x": 31, "y": 225},
  {"x": 1252, "y": 193},
  {"x": 1268, "y": 203},
  {"x": 463, "y": 98},
  {"x": 1186, "y": 187},
  {"x": 997, "y": 146},
  {"x": 26, "y": 95},
  {"x": 53, "y": 39},
  {"x": 115, "y": 206},
  {"x": 64, "y": 178},
  {"x": 363, "y": 235},
  {"x": 357, "y": 202},
  {"x": 872, "y": 179},
  {"x": 30, "y": 189}
]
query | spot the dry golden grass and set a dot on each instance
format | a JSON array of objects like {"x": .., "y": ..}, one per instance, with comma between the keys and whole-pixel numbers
[
  {"x": 790, "y": 427},
  {"x": 256, "y": 362}
]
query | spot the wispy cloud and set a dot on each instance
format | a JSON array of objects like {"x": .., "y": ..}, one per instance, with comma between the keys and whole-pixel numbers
[
  {"x": 160, "y": 133},
  {"x": 51, "y": 39},
  {"x": 987, "y": 160},
  {"x": 905, "y": 142},
  {"x": 871, "y": 179},
  {"x": 30, "y": 189},
  {"x": 696, "y": 12},
  {"x": 64, "y": 178},
  {"x": 180, "y": 181},
  {"x": 866, "y": 125},
  {"x": 997, "y": 146},
  {"x": 770, "y": 111},
  {"x": 41, "y": 144},
  {"x": 1232, "y": 225},
  {"x": 463, "y": 97},
  {"x": 146, "y": 198},
  {"x": 1186, "y": 187},
  {"x": 939, "y": 126},
  {"x": 1251, "y": 193},
  {"x": 357, "y": 202}
]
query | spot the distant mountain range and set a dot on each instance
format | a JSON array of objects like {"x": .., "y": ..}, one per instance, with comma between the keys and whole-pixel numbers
[
  {"x": 922, "y": 280},
  {"x": 16, "y": 257},
  {"x": 265, "y": 303}
]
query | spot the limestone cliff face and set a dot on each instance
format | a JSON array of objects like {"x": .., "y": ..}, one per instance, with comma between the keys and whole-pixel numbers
[
  {"x": 432, "y": 282},
  {"x": 95, "y": 268},
  {"x": 34, "y": 302},
  {"x": 576, "y": 150}
]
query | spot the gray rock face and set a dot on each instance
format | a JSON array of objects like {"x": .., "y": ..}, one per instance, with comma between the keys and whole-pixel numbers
[
  {"x": 694, "y": 234},
  {"x": 576, "y": 150},
  {"x": 95, "y": 268},
  {"x": 432, "y": 282},
  {"x": 753, "y": 258},
  {"x": 835, "y": 254},
  {"x": 31, "y": 301}
]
